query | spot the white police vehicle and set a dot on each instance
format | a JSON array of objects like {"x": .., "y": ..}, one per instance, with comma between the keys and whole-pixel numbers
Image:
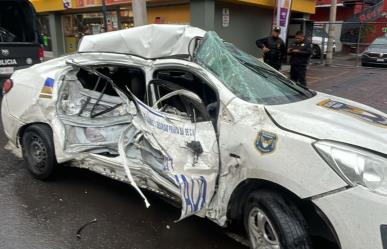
[{"x": 178, "y": 111}]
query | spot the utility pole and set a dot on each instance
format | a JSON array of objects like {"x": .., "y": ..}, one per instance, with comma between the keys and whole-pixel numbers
[
  {"x": 139, "y": 12},
  {"x": 104, "y": 15},
  {"x": 331, "y": 33}
]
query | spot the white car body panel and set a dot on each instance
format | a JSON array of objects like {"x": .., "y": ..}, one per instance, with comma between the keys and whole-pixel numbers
[
  {"x": 356, "y": 215},
  {"x": 318, "y": 40},
  {"x": 343, "y": 127},
  {"x": 233, "y": 150},
  {"x": 282, "y": 166},
  {"x": 150, "y": 41}
]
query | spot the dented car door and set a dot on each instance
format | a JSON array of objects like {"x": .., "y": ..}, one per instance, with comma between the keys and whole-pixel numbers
[
  {"x": 157, "y": 147},
  {"x": 186, "y": 137}
]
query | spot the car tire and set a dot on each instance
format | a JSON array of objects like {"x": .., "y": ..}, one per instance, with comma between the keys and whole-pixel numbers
[
  {"x": 39, "y": 152},
  {"x": 272, "y": 221},
  {"x": 316, "y": 53}
]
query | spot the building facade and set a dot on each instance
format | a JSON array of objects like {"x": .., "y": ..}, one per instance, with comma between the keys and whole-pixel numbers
[
  {"x": 64, "y": 22},
  {"x": 358, "y": 22}
]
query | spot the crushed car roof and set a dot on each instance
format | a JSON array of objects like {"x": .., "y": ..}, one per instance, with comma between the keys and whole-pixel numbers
[{"x": 149, "y": 41}]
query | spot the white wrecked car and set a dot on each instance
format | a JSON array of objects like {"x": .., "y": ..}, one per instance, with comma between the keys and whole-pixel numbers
[{"x": 176, "y": 110}]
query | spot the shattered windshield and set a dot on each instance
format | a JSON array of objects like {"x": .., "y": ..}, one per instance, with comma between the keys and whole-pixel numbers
[{"x": 247, "y": 77}]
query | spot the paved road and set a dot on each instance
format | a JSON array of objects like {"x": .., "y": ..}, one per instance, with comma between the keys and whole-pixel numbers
[
  {"x": 362, "y": 84},
  {"x": 46, "y": 215}
]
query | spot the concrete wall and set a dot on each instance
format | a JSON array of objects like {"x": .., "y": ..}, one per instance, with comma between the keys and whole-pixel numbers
[
  {"x": 247, "y": 24},
  {"x": 55, "y": 23},
  {"x": 202, "y": 14}
]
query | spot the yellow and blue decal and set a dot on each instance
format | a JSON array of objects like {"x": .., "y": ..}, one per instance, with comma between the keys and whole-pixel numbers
[
  {"x": 266, "y": 142},
  {"x": 46, "y": 91},
  {"x": 356, "y": 112}
]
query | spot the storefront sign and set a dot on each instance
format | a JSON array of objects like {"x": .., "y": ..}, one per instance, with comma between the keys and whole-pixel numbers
[
  {"x": 91, "y": 3},
  {"x": 226, "y": 17},
  {"x": 371, "y": 14},
  {"x": 108, "y": 2},
  {"x": 282, "y": 18},
  {"x": 66, "y": 4},
  {"x": 88, "y": 3}
]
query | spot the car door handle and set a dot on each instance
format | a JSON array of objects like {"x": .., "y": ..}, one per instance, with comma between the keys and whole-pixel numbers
[{"x": 234, "y": 155}]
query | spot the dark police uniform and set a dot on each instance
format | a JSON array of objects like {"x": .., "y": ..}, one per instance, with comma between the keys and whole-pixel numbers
[
  {"x": 299, "y": 60},
  {"x": 276, "y": 53}
]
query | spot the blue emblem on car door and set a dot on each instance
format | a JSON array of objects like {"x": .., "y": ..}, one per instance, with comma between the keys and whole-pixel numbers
[{"x": 266, "y": 142}]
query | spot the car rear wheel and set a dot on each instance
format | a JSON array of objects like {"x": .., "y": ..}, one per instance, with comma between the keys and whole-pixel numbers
[
  {"x": 273, "y": 222},
  {"x": 39, "y": 152},
  {"x": 316, "y": 53}
]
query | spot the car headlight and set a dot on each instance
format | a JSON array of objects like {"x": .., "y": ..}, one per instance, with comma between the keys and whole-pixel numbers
[{"x": 355, "y": 166}]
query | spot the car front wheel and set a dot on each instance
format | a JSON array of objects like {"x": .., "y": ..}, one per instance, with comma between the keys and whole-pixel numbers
[
  {"x": 39, "y": 152},
  {"x": 273, "y": 222}
]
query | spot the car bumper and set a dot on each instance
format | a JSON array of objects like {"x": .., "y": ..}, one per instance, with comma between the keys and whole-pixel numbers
[
  {"x": 11, "y": 124},
  {"x": 358, "y": 216},
  {"x": 5, "y": 74},
  {"x": 373, "y": 61}
]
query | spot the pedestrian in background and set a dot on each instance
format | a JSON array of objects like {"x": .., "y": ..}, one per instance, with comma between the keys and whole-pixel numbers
[
  {"x": 273, "y": 48},
  {"x": 300, "y": 52}
]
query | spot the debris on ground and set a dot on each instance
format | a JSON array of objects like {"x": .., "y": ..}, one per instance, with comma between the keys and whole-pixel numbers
[{"x": 84, "y": 226}]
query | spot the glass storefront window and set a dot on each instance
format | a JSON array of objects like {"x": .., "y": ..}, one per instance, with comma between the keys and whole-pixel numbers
[
  {"x": 126, "y": 18},
  {"x": 75, "y": 26},
  {"x": 45, "y": 33}
]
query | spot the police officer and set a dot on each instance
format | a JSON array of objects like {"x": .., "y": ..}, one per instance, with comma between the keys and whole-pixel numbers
[
  {"x": 300, "y": 52},
  {"x": 273, "y": 48}
]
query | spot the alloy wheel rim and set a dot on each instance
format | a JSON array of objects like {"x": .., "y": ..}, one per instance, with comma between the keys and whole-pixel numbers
[{"x": 261, "y": 231}]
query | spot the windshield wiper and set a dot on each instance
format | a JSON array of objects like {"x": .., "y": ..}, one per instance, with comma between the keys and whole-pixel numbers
[{"x": 263, "y": 71}]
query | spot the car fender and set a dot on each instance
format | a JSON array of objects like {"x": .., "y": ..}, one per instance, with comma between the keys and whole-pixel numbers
[
  {"x": 38, "y": 85},
  {"x": 291, "y": 162}
]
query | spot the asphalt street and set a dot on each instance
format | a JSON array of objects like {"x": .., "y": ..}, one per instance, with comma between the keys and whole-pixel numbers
[
  {"x": 367, "y": 85},
  {"x": 47, "y": 215}
]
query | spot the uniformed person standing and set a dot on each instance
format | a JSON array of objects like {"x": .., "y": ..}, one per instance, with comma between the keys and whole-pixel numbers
[
  {"x": 300, "y": 52},
  {"x": 273, "y": 48}
]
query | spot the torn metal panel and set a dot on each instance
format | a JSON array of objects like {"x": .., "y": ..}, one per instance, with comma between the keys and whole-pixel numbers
[
  {"x": 83, "y": 133},
  {"x": 194, "y": 175},
  {"x": 122, "y": 143}
]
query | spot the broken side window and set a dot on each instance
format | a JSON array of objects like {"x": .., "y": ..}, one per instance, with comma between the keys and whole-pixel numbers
[
  {"x": 175, "y": 80},
  {"x": 93, "y": 111},
  {"x": 90, "y": 95}
]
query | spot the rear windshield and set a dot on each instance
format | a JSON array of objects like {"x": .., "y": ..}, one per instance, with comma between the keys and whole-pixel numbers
[
  {"x": 246, "y": 76},
  {"x": 17, "y": 22}
]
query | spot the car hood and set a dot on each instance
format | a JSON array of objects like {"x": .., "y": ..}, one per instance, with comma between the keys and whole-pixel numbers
[
  {"x": 333, "y": 118},
  {"x": 377, "y": 50}
]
